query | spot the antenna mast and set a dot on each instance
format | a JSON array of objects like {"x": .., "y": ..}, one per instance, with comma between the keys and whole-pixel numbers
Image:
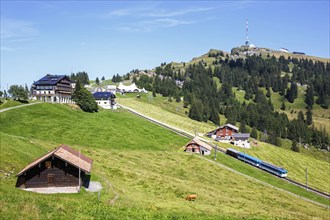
[{"x": 247, "y": 33}]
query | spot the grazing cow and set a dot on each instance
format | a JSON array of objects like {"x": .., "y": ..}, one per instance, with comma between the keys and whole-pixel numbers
[{"x": 191, "y": 197}]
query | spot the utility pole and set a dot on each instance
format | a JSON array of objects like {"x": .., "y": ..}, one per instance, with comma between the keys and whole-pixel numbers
[
  {"x": 79, "y": 171},
  {"x": 215, "y": 152},
  {"x": 306, "y": 178}
]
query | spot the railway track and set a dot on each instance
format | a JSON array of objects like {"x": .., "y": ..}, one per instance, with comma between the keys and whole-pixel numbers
[{"x": 325, "y": 195}]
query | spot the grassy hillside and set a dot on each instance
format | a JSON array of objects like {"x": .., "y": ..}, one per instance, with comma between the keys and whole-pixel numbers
[
  {"x": 318, "y": 170},
  {"x": 162, "y": 110},
  {"x": 151, "y": 175},
  {"x": 10, "y": 103},
  {"x": 159, "y": 108}
]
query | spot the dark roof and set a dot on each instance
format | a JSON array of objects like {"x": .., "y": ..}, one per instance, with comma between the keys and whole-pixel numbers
[
  {"x": 103, "y": 95},
  {"x": 241, "y": 135},
  {"x": 230, "y": 126},
  {"x": 50, "y": 79},
  {"x": 223, "y": 126},
  {"x": 67, "y": 154}
]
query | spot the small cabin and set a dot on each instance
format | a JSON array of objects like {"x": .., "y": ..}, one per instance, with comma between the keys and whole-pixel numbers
[
  {"x": 61, "y": 167},
  {"x": 197, "y": 146}
]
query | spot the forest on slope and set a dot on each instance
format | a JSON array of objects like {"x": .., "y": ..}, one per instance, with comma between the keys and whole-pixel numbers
[{"x": 208, "y": 84}]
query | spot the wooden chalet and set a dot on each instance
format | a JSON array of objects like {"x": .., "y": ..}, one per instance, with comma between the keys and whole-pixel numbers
[
  {"x": 197, "y": 146},
  {"x": 224, "y": 132},
  {"x": 58, "y": 168}
]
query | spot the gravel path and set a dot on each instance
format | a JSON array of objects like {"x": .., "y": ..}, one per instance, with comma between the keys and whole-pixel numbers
[{"x": 19, "y": 106}]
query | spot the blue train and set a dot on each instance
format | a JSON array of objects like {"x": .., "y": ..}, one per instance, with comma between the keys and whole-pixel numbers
[{"x": 278, "y": 171}]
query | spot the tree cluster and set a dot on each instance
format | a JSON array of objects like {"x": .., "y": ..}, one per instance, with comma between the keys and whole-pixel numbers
[
  {"x": 84, "y": 98},
  {"x": 250, "y": 74},
  {"x": 82, "y": 77},
  {"x": 200, "y": 92},
  {"x": 18, "y": 92},
  {"x": 144, "y": 82},
  {"x": 116, "y": 78}
]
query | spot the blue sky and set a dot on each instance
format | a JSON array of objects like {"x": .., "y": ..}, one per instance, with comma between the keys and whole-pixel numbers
[{"x": 109, "y": 37}]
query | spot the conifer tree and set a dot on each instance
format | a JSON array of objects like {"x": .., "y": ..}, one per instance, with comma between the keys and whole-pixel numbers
[
  {"x": 309, "y": 117},
  {"x": 309, "y": 98},
  {"x": 196, "y": 111},
  {"x": 242, "y": 127},
  {"x": 301, "y": 117},
  {"x": 254, "y": 133},
  {"x": 268, "y": 93}
]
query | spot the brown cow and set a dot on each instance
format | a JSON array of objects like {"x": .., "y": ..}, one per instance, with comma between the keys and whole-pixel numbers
[{"x": 191, "y": 197}]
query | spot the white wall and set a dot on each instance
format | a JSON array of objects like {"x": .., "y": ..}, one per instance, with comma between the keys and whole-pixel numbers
[
  {"x": 206, "y": 151},
  {"x": 243, "y": 144}
]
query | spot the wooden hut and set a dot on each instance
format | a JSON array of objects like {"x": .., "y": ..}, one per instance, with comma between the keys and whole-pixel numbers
[
  {"x": 58, "y": 168},
  {"x": 197, "y": 146}
]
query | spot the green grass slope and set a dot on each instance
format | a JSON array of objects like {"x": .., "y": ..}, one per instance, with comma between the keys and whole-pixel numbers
[
  {"x": 162, "y": 110},
  {"x": 9, "y": 103},
  {"x": 143, "y": 163},
  {"x": 318, "y": 170},
  {"x": 171, "y": 113}
]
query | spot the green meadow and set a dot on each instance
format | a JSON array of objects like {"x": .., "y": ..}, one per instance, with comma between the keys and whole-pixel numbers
[
  {"x": 9, "y": 103},
  {"x": 317, "y": 162},
  {"x": 140, "y": 162}
]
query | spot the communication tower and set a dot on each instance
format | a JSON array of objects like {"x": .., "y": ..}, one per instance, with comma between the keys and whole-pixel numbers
[{"x": 247, "y": 33}]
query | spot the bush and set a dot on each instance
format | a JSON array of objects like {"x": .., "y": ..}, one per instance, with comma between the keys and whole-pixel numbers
[{"x": 294, "y": 146}]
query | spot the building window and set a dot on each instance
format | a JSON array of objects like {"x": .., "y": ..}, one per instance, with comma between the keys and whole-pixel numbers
[{"x": 48, "y": 164}]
